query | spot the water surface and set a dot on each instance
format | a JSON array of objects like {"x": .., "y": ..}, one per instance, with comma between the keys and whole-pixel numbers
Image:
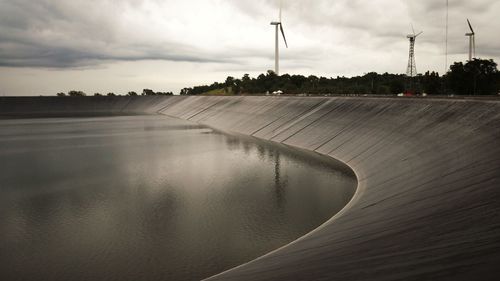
[{"x": 151, "y": 198}]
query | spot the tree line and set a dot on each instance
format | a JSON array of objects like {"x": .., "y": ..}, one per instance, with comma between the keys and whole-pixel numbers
[
  {"x": 476, "y": 77},
  {"x": 145, "y": 92}
]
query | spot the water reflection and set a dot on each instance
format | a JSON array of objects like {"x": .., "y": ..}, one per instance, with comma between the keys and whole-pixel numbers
[
  {"x": 279, "y": 184},
  {"x": 151, "y": 198}
]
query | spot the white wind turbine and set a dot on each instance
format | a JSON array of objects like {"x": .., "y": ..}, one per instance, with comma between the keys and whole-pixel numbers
[
  {"x": 472, "y": 42},
  {"x": 279, "y": 27}
]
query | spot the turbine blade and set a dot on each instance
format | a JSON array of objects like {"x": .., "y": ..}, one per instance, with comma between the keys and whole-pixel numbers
[
  {"x": 470, "y": 26},
  {"x": 419, "y": 34},
  {"x": 283, "y": 32},
  {"x": 413, "y": 29}
]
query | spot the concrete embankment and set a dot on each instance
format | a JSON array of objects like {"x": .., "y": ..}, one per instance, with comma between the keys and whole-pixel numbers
[
  {"x": 25, "y": 107},
  {"x": 428, "y": 200}
]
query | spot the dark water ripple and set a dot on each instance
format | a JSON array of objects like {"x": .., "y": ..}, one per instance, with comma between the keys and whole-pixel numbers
[{"x": 151, "y": 198}]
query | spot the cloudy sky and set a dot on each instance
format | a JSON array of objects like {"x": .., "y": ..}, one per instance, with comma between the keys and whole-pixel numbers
[{"x": 49, "y": 46}]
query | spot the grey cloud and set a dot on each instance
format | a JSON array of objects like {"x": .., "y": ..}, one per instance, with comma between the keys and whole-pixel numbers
[
  {"x": 385, "y": 22},
  {"x": 59, "y": 34},
  {"x": 79, "y": 33},
  {"x": 34, "y": 54},
  {"x": 61, "y": 57}
]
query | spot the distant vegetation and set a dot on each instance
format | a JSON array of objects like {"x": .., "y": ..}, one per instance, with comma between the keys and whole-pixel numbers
[
  {"x": 477, "y": 77},
  {"x": 145, "y": 92},
  {"x": 72, "y": 94}
]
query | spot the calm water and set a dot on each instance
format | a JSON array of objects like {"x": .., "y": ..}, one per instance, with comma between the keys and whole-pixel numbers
[{"x": 151, "y": 198}]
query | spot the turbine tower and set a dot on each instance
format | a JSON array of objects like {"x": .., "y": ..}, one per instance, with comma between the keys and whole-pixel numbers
[
  {"x": 279, "y": 27},
  {"x": 472, "y": 42},
  {"x": 412, "y": 67}
]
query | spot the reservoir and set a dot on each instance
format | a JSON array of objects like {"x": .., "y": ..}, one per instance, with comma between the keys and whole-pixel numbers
[{"x": 152, "y": 198}]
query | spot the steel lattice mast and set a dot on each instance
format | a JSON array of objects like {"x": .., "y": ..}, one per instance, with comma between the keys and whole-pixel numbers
[{"x": 411, "y": 71}]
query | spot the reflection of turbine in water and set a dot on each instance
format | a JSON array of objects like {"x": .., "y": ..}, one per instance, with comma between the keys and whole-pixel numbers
[{"x": 279, "y": 185}]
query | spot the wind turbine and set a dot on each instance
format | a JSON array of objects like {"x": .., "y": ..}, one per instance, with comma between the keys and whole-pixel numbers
[
  {"x": 279, "y": 27},
  {"x": 472, "y": 42},
  {"x": 412, "y": 67}
]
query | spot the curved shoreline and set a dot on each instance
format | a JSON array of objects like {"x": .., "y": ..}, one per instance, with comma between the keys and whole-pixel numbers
[
  {"x": 428, "y": 172},
  {"x": 357, "y": 194}
]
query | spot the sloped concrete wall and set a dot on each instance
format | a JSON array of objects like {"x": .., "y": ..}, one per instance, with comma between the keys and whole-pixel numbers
[
  {"x": 428, "y": 200},
  {"x": 21, "y": 107}
]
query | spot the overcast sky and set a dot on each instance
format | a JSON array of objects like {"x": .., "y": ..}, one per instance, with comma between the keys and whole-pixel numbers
[{"x": 49, "y": 46}]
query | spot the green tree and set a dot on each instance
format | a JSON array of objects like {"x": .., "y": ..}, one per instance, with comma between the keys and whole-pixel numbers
[
  {"x": 76, "y": 93},
  {"x": 185, "y": 91},
  {"x": 148, "y": 92},
  {"x": 383, "y": 90},
  {"x": 397, "y": 86},
  {"x": 229, "y": 81},
  {"x": 498, "y": 83},
  {"x": 476, "y": 77},
  {"x": 431, "y": 83},
  {"x": 246, "y": 84},
  {"x": 237, "y": 87}
]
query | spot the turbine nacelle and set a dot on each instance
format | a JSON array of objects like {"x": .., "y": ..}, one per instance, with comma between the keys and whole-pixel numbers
[{"x": 413, "y": 36}]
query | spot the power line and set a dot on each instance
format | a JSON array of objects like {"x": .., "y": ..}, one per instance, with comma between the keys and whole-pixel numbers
[{"x": 446, "y": 48}]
